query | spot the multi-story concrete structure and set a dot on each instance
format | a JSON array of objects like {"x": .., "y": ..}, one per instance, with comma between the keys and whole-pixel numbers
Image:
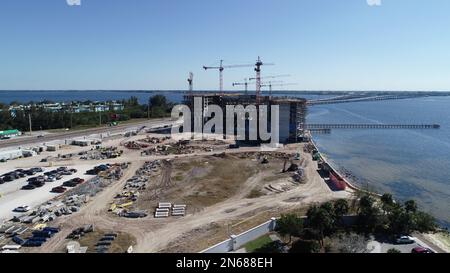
[{"x": 292, "y": 112}]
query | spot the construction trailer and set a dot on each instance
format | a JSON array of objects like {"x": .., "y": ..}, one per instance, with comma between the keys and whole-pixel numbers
[
  {"x": 10, "y": 154},
  {"x": 292, "y": 112}
]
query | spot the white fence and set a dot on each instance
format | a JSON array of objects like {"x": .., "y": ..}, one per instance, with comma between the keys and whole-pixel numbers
[{"x": 237, "y": 241}]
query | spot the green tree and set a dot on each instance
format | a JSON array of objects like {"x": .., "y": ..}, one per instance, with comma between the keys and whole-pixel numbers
[
  {"x": 393, "y": 250},
  {"x": 424, "y": 222},
  {"x": 411, "y": 206},
  {"x": 400, "y": 222},
  {"x": 387, "y": 201},
  {"x": 341, "y": 208},
  {"x": 368, "y": 214},
  {"x": 305, "y": 246},
  {"x": 289, "y": 225},
  {"x": 320, "y": 219}
]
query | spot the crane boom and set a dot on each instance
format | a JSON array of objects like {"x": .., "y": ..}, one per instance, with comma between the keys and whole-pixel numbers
[{"x": 221, "y": 68}]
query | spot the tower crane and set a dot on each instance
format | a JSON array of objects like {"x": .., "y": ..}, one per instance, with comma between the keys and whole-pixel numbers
[
  {"x": 271, "y": 84},
  {"x": 258, "y": 65},
  {"x": 245, "y": 83},
  {"x": 221, "y": 67},
  {"x": 271, "y": 77}
]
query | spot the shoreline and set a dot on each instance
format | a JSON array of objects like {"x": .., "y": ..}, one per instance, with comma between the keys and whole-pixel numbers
[{"x": 344, "y": 178}]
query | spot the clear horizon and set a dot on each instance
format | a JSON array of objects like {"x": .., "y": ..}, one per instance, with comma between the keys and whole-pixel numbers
[{"x": 325, "y": 45}]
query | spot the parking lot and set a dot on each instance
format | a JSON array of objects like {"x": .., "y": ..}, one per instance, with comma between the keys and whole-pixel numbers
[
  {"x": 13, "y": 196},
  {"x": 382, "y": 246}
]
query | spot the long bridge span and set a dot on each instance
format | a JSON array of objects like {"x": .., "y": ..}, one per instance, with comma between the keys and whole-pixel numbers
[{"x": 347, "y": 99}]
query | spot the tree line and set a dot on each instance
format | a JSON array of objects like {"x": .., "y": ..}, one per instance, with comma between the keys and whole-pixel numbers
[
  {"x": 372, "y": 216},
  {"x": 44, "y": 119}
]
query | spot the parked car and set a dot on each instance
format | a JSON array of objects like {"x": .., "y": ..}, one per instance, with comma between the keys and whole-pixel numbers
[
  {"x": 8, "y": 178},
  {"x": 404, "y": 240},
  {"x": 59, "y": 189},
  {"x": 28, "y": 187},
  {"x": 78, "y": 180},
  {"x": 37, "y": 184},
  {"x": 2, "y": 181},
  {"x": 37, "y": 169},
  {"x": 22, "y": 209},
  {"x": 29, "y": 172},
  {"x": 70, "y": 184},
  {"x": 73, "y": 170},
  {"x": 421, "y": 249},
  {"x": 50, "y": 178}
]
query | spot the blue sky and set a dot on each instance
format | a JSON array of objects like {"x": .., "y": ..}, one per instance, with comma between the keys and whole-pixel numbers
[{"x": 153, "y": 44}]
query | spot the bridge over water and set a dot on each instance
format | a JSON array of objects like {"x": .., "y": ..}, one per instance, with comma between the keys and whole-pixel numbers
[{"x": 347, "y": 99}]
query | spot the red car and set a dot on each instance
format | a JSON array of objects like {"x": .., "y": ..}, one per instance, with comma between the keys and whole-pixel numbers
[
  {"x": 78, "y": 180},
  {"x": 59, "y": 189},
  {"x": 420, "y": 249}
]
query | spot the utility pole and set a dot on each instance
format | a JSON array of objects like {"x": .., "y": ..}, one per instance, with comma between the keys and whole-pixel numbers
[
  {"x": 148, "y": 108},
  {"x": 100, "y": 115},
  {"x": 29, "y": 121},
  {"x": 71, "y": 115}
]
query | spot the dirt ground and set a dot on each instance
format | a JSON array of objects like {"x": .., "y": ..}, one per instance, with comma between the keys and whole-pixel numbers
[
  {"x": 216, "y": 192},
  {"x": 227, "y": 191}
]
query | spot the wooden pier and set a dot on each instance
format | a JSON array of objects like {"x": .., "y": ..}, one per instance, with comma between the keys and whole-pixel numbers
[{"x": 316, "y": 127}]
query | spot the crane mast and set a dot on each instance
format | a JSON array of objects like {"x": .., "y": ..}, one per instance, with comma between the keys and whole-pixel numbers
[{"x": 191, "y": 83}]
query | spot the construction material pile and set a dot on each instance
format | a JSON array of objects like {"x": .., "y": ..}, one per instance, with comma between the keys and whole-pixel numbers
[
  {"x": 125, "y": 200},
  {"x": 163, "y": 210},
  {"x": 80, "y": 232},
  {"x": 134, "y": 145},
  {"x": 101, "y": 153},
  {"x": 154, "y": 140},
  {"x": 105, "y": 242}
]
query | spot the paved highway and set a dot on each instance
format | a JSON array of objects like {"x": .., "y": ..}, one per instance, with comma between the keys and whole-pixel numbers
[{"x": 28, "y": 140}]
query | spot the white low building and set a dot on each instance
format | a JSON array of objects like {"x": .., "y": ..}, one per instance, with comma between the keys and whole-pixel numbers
[{"x": 11, "y": 154}]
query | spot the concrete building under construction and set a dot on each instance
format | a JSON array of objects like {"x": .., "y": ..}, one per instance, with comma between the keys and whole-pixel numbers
[{"x": 292, "y": 111}]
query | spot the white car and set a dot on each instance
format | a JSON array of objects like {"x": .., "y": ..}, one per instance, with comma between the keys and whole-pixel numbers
[{"x": 22, "y": 209}]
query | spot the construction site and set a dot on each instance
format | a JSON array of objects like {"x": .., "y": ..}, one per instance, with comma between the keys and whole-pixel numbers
[{"x": 142, "y": 191}]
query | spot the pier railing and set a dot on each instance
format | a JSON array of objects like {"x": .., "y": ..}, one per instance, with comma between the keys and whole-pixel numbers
[{"x": 368, "y": 126}]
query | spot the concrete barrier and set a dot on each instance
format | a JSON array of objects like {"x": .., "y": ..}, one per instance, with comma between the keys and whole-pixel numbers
[{"x": 237, "y": 241}]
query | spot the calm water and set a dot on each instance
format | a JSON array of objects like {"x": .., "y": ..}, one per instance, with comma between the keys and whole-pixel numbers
[
  {"x": 65, "y": 96},
  {"x": 408, "y": 163}
]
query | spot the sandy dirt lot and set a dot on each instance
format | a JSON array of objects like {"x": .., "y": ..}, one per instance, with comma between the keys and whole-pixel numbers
[{"x": 217, "y": 190}]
